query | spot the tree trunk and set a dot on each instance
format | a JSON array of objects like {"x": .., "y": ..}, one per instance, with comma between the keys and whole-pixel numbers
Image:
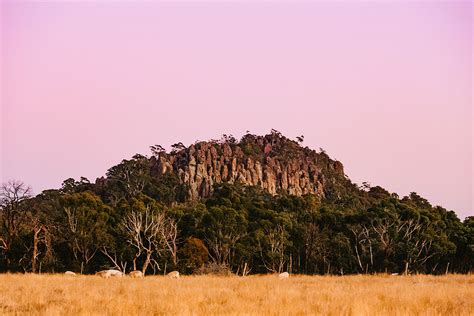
[
  {"x": 290, "y": 268},
  {"x": 244, "y": 272},
  {"x": 358, "y": 258},
  {"x": 8, "y": 260},
  {"x": 35, "y": 250},
  {"x": 147, "y": 262},
  {"x": 175, "y": 259}
]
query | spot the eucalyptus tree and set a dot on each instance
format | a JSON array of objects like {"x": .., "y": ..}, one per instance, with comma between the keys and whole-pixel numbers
[
  {"x": 223, "y": 228},
  {"x": 86, "y": 225},
  {"x": 143, "y": 230},
  {"x": 13, "y": 196},
  {"x": 129, "y": 178},
  {"x": 43, "y": 216}
]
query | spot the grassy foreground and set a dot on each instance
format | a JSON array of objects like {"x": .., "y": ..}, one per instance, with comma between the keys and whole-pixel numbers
[{"x": 257, "y": 295}]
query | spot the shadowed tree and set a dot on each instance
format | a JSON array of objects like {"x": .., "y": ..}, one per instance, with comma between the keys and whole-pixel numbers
[
  {"x": 86, "y": 225},
  {"x": 41, "y": 223},
  {"x": 223, "y": 228},
  {"x": 13, "y": 194}
]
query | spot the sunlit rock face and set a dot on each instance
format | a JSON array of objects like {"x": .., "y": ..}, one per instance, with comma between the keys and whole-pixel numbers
[{"x": 272, "y": 162}]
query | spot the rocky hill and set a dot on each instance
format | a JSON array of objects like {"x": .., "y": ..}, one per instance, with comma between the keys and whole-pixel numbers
[
  {"x": 272, "y": 162},
  {"x": 173, "y": 209}
]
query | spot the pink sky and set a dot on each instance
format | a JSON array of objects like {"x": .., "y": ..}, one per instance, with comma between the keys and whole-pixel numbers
[{"x": 386, "y": 88}]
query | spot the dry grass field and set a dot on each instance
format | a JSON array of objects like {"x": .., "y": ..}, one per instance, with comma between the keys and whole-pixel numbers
[{"x": 256, "y": 295}]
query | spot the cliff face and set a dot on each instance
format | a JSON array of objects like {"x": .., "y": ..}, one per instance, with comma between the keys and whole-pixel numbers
[{"x": 273, "y": 162}]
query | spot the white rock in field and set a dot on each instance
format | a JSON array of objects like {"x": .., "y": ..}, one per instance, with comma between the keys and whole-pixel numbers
[
  {"x": 69, "y": 273},
  {"x": 284, "y": 275},
  {"x": 109, "y": 273},
  {"x": 116, "y": 273},
  {"x": 103, "y": 274},
  {"x": 173, "y": 275},
  {"x": 136, "y": 274}
]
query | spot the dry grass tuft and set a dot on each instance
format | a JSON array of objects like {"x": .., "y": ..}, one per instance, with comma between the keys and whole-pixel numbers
[{"x": 257, "y": 295}]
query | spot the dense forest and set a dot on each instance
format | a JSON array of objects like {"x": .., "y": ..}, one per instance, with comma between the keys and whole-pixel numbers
[{"x": 256, "y": 205}]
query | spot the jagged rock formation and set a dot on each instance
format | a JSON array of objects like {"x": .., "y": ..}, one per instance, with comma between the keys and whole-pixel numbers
[{"x": 272, "y": 162}]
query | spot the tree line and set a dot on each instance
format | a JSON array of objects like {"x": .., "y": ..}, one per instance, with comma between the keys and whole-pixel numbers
[{"x": 133, "y": 220}]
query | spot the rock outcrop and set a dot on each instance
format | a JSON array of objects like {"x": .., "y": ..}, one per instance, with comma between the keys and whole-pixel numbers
[{"x": 272, "y": 162}]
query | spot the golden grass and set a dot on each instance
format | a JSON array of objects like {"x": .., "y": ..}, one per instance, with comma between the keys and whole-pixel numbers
[{"x": 256, "y": 295}]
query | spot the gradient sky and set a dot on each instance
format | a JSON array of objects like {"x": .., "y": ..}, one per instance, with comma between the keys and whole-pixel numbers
[{"x": 384, "y": 87}]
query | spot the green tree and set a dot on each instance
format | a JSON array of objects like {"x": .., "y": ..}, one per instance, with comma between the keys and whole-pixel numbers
[
  {"x": 223, "y": 228},
  {"x": 86, "y": 227},
  {"x": 128, "y": 179}
]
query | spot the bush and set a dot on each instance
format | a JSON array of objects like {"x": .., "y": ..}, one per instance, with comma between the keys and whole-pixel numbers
[
  {"x": 214, "y": 269},
  {"x": 193, "y": 254}
]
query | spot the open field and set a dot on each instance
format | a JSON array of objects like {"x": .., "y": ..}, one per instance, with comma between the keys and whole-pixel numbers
[{"x": 258, "y": 295}]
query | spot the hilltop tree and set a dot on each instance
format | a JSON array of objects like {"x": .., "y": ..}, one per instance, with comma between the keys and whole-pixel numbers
[
  {"x": 71, "y": 186},
  {"x": 128, "y": 179},
  {"x": 157, "y": 150},
  {"x": 177, "y": 147}
]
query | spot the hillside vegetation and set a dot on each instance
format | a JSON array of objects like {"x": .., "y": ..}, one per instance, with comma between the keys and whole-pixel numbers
[{"x": 258, "y": 205}]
